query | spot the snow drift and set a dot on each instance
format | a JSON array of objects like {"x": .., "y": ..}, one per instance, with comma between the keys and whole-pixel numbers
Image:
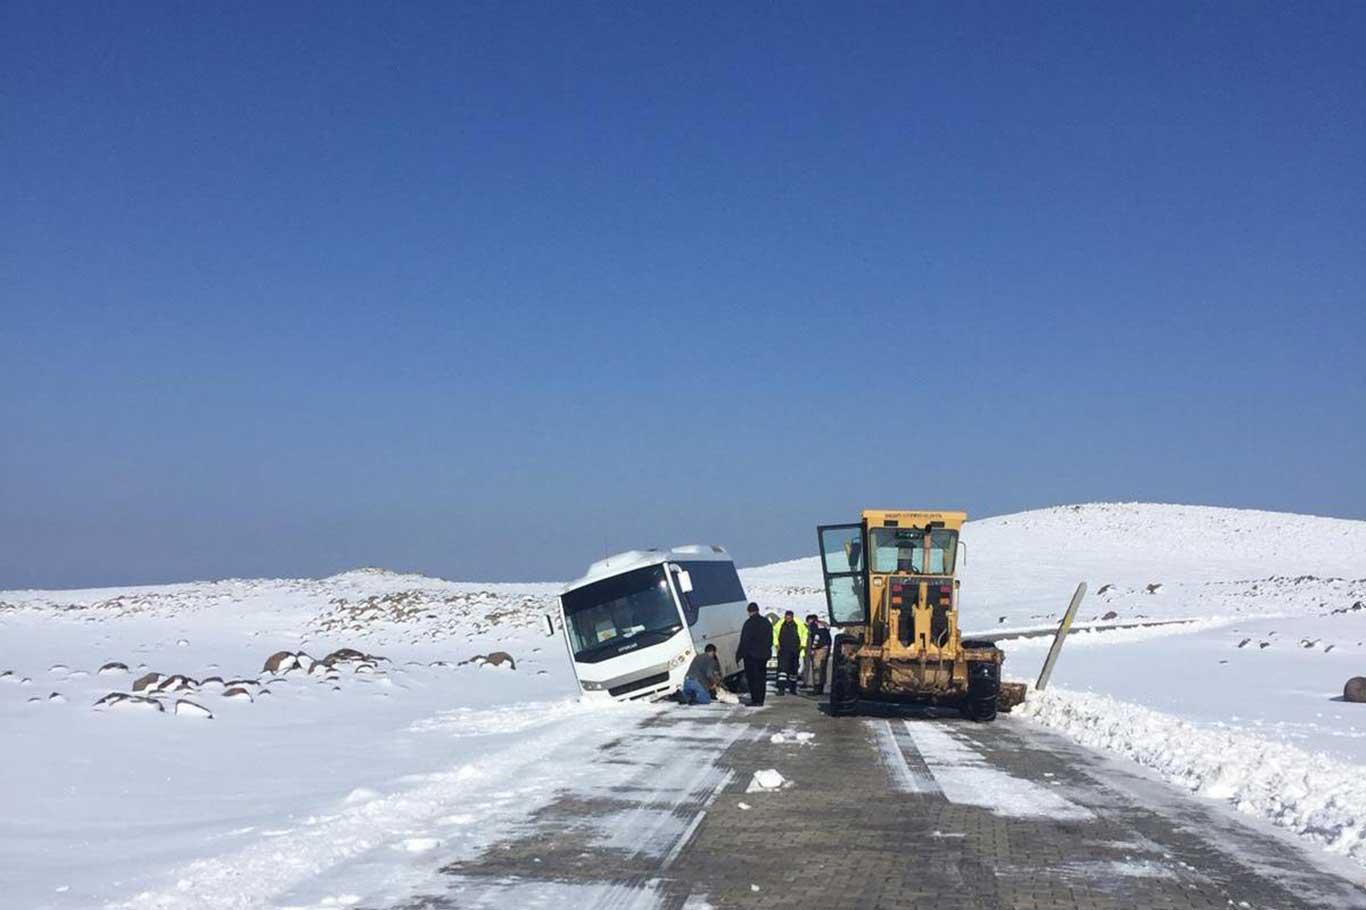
[{"x": 1311, "y": 794}]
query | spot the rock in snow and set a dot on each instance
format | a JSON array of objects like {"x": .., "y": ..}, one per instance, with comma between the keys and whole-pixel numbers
[
  {"x": 184, "y": 708},
  {"x": 142, "y": 682},
  {"x": 280, "y": 662},
  {"x": 175, "y": 683},
  {"x": 498, "y": 658},
  {"x": 1355, "y": 690},
  {"x": 494, "y": 660},
  {"x": 113, "y": 667},
  {"x": 123, "y": 702}
]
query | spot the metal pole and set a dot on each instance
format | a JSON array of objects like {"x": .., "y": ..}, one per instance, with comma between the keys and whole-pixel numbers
[{"x": 1063, "y": 628}]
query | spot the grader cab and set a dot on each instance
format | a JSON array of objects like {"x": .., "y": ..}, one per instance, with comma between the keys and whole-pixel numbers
[{"x": 892, "y": 592}]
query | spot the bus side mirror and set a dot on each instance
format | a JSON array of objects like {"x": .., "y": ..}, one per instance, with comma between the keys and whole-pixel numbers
[
  {"x": 549, "y": 624},
  {"x": 682, "y": 576}
]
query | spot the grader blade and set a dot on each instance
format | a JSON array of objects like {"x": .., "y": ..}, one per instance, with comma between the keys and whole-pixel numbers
[{"x": 1012, "y": 694}]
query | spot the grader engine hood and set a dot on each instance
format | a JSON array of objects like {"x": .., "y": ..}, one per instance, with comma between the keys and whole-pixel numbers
[{"x": 918, "y": 613}]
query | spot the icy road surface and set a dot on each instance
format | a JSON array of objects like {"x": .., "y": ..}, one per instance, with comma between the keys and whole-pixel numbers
[{"x": 877, "y": 812}]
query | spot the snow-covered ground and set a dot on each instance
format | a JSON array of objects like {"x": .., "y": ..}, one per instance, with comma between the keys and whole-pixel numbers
[
  {"x": 139, "y": 804},
  {"x": 346, "y": 772}
]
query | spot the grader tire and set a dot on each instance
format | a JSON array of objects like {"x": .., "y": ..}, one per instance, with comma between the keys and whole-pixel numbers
[
  {"x": 843, "y": 683},
  {"x": 844, "y": 691},
  {"x": 981, "y": 710},
  {"x": 984, "y": 690}
]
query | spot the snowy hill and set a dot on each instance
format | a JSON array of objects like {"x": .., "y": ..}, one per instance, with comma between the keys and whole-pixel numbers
[
  {"x": 1014, "y": 560},
  {"x": 328, "y": 760}
]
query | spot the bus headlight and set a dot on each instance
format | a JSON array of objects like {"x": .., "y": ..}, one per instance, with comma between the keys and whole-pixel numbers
[
  {"x": 590, "y": 686},
  {"x": 680, "y": 659}
]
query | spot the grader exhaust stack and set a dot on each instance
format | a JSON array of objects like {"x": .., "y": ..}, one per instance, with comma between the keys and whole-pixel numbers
[{"x": 891, "y": 588}]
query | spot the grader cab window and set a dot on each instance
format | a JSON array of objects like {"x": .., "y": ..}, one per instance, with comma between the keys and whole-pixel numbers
[
  {"x": 842, "y": 566},
  {"x": 903, "y": 550}
]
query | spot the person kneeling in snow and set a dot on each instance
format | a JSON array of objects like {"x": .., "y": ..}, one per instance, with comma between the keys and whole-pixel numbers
[{"x": 704, "y": 676}]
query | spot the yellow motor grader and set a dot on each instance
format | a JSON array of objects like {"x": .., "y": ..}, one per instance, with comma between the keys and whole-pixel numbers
[{"x": 892, "y": 593}]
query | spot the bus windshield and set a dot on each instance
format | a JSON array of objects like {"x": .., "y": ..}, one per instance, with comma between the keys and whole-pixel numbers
[
  {"x": 902, "y": 550},
  {"x": 620, "y": 614}
]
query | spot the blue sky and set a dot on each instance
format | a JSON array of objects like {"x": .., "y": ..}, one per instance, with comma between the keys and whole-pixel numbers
[{"x": 484, "y": 290}]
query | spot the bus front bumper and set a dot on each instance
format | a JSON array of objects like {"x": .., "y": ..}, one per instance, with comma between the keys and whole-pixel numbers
[{"x": 648, "y": 683}]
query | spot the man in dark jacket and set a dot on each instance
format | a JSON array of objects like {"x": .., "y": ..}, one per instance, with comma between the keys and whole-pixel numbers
[
  {"x": 817, "y": 650},
  {"x": 790, "y": 640},
  {"x": 756, "y": 645}
]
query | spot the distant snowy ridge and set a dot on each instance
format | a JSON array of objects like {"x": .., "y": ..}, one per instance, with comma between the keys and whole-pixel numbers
[
  {"x": 1176, "y": 541},
  {"x": 1308, "y": 793},
  {"x": 341, "y": 607}
]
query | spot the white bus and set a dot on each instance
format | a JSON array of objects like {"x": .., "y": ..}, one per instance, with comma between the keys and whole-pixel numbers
[{"x": 635, "y": 620}]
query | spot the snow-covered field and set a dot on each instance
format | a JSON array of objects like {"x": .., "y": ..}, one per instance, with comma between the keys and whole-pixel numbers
[
  {"x": 151, "y": 803},
  {"x": 346, "y": 772}
]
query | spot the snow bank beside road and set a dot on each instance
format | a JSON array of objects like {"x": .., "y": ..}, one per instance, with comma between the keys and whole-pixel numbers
[{"x": 1309, "y": 793}]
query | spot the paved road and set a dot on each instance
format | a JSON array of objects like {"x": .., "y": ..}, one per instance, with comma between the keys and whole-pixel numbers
[{"x": 881, "y": 812}]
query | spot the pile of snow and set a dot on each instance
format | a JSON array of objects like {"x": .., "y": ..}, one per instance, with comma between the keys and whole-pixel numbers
[
  {"x": 768, "y": 779},
  {"x": 1311, "y": 794},
  {"x": 802, "y": 737}
]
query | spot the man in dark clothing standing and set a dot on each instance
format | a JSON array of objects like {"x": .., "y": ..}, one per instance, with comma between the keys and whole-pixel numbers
[
  {"x": 756, "y": 645},
  {"x": 789, "y": 653},
  {"x": 817, "y": 650}
]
